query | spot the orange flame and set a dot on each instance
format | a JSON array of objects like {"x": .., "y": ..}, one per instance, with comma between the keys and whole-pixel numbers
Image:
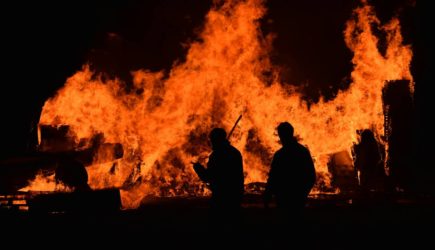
[
  {"x": 43, "y": 182},
  {"x": 163, "y": 123}
]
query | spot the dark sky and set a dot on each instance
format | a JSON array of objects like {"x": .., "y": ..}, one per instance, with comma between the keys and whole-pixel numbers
[{"x": 44, "y": 43}]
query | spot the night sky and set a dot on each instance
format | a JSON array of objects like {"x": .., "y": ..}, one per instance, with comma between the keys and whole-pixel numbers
[{"x": 44, "y": 43}]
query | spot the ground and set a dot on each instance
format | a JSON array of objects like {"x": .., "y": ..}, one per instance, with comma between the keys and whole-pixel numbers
[{"x": 329, "y": 222}]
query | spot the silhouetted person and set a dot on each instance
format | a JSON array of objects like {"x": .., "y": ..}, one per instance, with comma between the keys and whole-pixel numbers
[
  {"x": 368, "y": 162},
  {"x": 292, "y": 173},
  {"x": 224, "y": 174}
]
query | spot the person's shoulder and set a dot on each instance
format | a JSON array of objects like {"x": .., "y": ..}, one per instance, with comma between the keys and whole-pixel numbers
[
  {"x": 279, "y": 152},
  {"x": 302, "y": 148},
  {"x": 234, "y": 150},
  {"x": 305, "y": 151}
]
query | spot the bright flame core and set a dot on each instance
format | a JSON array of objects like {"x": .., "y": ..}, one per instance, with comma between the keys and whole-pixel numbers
[{"x": 164, "y": 121}]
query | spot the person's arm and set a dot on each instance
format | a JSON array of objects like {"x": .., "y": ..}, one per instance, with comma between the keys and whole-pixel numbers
[
  {"x": 206, "y": 174},
  {"x": 311, "y": 171},
  {"x": 201, "y": 171},
  {"x": 241, "y": 174},
  {"x": 267, "y": 196}
]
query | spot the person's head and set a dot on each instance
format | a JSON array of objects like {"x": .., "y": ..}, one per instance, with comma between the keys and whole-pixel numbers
[
  {"x": 285, "y": 133},
  {"x": 367, "y": 137},
  {"x": 218, "y": 137}
]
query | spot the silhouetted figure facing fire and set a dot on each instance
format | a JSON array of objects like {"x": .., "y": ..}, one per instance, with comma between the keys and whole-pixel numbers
[
  {"x": 224, "y": 173},
  {"x": 369, "y": 163},
  {"x": 292, "y": 173}
]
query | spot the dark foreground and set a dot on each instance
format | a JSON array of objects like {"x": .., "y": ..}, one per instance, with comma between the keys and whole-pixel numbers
[{"x": 329, "y": 222}]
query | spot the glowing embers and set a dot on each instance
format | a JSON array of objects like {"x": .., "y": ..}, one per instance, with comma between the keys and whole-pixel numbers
[{"x": 14, "y": 202}]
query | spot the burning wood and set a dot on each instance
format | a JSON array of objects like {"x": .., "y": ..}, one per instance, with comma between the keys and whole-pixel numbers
[
  {"x": 161, "y": 122},
  {"x": 60, "y": 141},
  {"x": 398, "y": 106},
  {"x": 58, "y": 154},
  {"x": 14, "y": 202}
]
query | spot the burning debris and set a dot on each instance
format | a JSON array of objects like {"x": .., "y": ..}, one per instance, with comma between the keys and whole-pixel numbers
[
  {"x": 58, "y": 175},
  {"x": 161, "y": 122},
  {"x": 59, "y": 164}
]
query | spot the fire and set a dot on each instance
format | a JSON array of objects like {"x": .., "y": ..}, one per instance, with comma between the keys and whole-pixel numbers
[
  {"x": 164, "y": 120},
  {"x": 44, "y": 182}
]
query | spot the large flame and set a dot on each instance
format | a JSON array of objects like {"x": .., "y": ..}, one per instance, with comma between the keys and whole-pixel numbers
[{"x": 164, "y": 120}]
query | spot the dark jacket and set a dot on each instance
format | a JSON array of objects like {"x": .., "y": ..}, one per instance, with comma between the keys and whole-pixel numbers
[
  {"x": 224, "y": 173},
  {"x": 292, "y": 175}
]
